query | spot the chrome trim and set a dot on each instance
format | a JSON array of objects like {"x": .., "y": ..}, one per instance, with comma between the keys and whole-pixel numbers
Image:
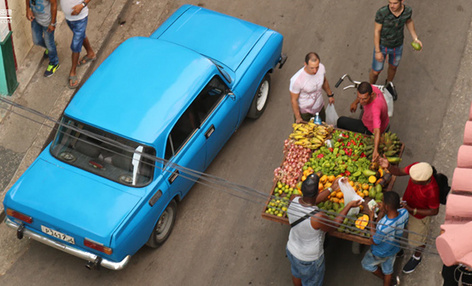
[{"x": 68, "y": 248}]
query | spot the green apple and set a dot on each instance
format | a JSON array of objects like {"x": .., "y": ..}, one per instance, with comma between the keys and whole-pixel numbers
[{"x": 416, "y": 45}]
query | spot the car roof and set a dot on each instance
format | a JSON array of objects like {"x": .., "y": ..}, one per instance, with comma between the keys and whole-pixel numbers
[
  {"x": 141, "y": 88},
  {"x": 218, "y": 36}
]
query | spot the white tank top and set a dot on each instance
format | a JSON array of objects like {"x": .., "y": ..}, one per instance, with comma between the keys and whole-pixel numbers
[{"x": 304, "y": 242}]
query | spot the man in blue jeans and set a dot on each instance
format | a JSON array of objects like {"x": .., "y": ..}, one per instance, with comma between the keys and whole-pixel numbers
[
  {"x": 42, "y": 15},
  {"x": 76, "y": 13},
  {"x": 390, "y": 21},
  {"x": 385, "y": 238}
]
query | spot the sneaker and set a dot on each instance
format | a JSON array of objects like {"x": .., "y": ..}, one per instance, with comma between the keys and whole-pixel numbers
[
  {"x": 410, "y": 266},
  {"x": 46, "y": 54},
  {"x": 400, "y": 253},
  {"x": 395, "y": 280},
  {"x": 51, "y": 70}
]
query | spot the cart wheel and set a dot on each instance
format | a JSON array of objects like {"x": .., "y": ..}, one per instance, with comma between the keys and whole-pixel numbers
[{"x": 356, "y": 247}]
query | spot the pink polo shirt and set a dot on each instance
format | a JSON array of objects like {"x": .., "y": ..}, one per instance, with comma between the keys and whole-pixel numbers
[{"x": 376, "y": 113}]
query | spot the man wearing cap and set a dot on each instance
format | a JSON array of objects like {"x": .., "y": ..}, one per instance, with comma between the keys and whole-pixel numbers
[
  {"x": 421, "y": 199},
  {"x": 308, "y": 228}
]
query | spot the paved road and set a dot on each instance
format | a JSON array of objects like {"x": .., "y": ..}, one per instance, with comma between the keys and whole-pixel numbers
[{"x": 221, "y": 240}]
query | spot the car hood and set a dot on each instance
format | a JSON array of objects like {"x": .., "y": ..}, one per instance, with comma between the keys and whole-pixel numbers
[
  {"x": 215, "y": 35},
  {"x": 84, "y": 204}
]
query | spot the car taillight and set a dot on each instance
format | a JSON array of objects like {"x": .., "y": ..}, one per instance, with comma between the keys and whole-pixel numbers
[
  {"x": 98, "y": 246},
  {"x": 19, "y": 216}
]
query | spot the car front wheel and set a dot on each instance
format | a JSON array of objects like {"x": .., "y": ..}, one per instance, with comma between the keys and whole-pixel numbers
[
  {"x": 164, "y": 226},
  {"x": 259, "y": 103}
]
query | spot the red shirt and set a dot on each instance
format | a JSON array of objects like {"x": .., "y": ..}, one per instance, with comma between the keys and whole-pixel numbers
[
  {"x": 421, "y": 197},
  {"x": 376, "y": 113}
]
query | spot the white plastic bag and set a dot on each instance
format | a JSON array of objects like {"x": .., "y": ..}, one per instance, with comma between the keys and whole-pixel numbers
[
  {"x": 389, "y": 99},
  {"x": 349, "y": 195},
  {"x": 331, "y": 115}
]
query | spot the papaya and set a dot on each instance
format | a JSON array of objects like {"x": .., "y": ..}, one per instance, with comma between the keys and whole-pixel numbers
[
  {"x": 378, "y": 188},
  {"x": 368, "y": 173},
  {"x": 394, "y": 160},
  {"x": 379, "y": 196}
]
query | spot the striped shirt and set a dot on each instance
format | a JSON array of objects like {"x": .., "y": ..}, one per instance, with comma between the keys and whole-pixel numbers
[{"x": 387, "y": 234}]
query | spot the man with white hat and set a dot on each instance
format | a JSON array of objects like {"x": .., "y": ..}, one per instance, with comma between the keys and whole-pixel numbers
[{"x": 421, "y": 199}]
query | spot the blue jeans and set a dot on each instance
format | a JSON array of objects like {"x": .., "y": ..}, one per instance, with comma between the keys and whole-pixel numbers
[
  {"x": 78, "y": 29},
  {"x": 45, "y": 39},
  {"x": 394, "y": 57},
  {"x": 371, "y": 262},
  {"x": 310, "y": 272}
]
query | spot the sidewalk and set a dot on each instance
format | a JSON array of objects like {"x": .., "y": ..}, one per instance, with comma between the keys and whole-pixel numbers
[{"x": 50, "y": 96}]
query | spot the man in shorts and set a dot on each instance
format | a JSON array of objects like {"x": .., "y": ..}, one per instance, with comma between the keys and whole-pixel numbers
[
  {"x": 388, "y": 37},
  {"x": 421, "y": 200},
  {"x": 42, "y": 15},
  {"x": 305, "y": 90},
  {"x": 385, "y": 238},
  {"x": 76, "y": 13}
]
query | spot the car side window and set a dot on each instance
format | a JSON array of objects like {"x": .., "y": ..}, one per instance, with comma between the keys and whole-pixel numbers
[{"x": 195, "y": 115}]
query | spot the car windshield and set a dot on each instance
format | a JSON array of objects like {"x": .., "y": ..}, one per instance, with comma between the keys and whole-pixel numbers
[{"x": 104, "y": 154}]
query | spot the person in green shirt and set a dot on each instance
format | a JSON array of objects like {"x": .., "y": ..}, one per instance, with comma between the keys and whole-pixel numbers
[{"x": 390, "y": 21}]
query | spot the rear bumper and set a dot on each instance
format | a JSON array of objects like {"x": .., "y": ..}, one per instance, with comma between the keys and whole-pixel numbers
[{"x": 69, "y": 249}]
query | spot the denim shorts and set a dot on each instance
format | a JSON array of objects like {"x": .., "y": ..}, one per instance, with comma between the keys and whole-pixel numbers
[
  {"x": 371, "y": 262},
  {"x": 78, "y": 29},
  {"x": 310, "y": 272},
  {"x": 394, "y": 57}
]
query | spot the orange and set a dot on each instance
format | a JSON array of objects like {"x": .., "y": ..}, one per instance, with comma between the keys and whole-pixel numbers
[
  {"x": 341, "y": 201},
  {"x": 323, "y": 179},
  {"x": 339, "y": 195},
  {"x": 366, "y": 193},
  {"x": 365, "y": 186},
  {"x": 320, "y": 187},
  {"x": 331, "y": 178},
  {"x": 351, "y": 183},
  {"x": 335, "y": 200},
  {"x": 303, "y": 178}
]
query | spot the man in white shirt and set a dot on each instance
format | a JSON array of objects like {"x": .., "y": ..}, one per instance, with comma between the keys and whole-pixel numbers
[
  {"x": 76, "y": 13},
  {"x": 305, "y": 90}
]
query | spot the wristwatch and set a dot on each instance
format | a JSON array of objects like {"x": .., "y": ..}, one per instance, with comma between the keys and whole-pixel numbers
[
  {"x": 84, "y": 4},
  {"x": 53, "y": 24},
  {"x": 330, "y": 189},
  {"x": 330, "y": 95}
]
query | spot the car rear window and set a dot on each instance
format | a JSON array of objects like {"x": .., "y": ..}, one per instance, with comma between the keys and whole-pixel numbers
[{"x": 104, "y": 154}]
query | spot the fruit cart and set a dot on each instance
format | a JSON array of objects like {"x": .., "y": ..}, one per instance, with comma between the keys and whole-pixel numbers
[{"x": 332, "y": 153}]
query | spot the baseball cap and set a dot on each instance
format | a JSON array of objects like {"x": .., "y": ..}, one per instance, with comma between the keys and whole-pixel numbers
[{"x": 421, "y": 172}]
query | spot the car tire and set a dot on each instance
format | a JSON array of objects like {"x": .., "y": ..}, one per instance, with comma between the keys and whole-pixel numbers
[
  {"x": 164, "y": 226},
  {"x": 259, "y": 103}
]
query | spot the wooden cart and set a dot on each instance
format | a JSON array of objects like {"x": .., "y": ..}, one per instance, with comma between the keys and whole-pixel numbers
[{"x": 347, "y": 236}]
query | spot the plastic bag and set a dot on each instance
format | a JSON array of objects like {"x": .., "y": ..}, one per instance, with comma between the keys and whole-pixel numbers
[
  {"x": 349, "y": 195},
  {"x": 389, "y": 99},
  {"x": 331, "y": 115}
]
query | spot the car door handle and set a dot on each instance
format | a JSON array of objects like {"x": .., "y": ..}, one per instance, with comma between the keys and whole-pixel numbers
[
  {"x": 174, "y": 176},
  {"x": 209, "y": 131},
  {"x": 232, "y": 96}
]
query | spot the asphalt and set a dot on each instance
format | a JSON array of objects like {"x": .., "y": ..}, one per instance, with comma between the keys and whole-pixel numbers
[{"x": 21, "y": 140}]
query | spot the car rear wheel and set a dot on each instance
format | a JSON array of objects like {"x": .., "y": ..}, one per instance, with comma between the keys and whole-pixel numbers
[
  {"x": 164, "y": 226},
  {"x": 259, "y": 103}
]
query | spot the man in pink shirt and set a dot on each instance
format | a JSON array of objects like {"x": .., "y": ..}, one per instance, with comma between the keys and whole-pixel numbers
[
  {"x": 375, "y": 118},
  {"x": 305, "y": 89}
]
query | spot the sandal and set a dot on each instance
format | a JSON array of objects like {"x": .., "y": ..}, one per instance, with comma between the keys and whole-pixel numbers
[
  {"x": 73, "y": 79},
  {"x": 85, "y": 60}
]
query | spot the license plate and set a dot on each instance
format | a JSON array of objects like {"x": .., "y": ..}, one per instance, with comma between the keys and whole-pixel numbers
[{"x": 58, "y": 234}]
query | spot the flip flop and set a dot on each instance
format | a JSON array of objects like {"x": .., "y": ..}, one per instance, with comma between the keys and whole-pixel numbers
[
  {"x": 85, "y": 60},
  {"x": 73, "y": 78}
]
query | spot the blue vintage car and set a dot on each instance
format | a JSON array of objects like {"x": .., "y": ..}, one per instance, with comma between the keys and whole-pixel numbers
[{"x": 136, "y": 136}]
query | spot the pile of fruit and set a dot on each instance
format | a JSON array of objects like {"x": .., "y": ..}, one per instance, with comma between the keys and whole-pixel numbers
[
  {"x": 310, "y": 135},
  {"x": 295, "y": 158},
  {"x": 356, "y": 225},
  {"x": 389, "y": 146},
  {"x": 279, "y": 203}
]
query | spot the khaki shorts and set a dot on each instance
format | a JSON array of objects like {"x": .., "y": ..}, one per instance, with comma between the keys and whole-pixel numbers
[{"x": 418, "y": 230}]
